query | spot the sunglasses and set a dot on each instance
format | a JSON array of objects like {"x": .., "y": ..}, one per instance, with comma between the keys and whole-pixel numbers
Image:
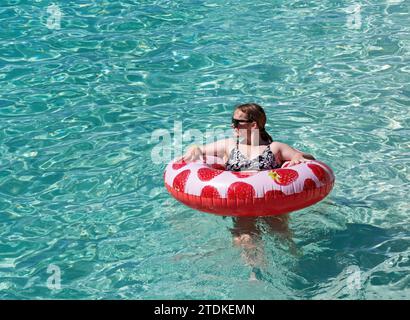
[{"x": 235, "y": 122}]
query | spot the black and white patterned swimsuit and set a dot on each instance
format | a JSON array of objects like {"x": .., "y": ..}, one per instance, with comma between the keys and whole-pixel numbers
[{"x": 265, "y": 161}]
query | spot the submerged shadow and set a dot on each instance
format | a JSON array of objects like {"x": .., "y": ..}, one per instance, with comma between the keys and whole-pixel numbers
[
  {"x": 358, "y": 244},
  {"x": 327, "y": 253},
  {"x": 247, "y": 233}
]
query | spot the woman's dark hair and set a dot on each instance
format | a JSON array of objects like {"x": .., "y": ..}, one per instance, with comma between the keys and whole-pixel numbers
[{"x": 256, "y": 113}]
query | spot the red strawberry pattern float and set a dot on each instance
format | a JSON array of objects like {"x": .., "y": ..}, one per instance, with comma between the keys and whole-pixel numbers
[{"x": 206, "y": 186}]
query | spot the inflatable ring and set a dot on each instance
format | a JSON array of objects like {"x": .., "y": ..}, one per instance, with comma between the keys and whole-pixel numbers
[{"x": 205, "y": 185}]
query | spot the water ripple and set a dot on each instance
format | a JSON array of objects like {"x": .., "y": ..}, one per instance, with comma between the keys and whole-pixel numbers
[{"x": 79, "y": 189}]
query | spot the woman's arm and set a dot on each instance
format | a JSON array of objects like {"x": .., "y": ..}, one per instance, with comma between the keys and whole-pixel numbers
[
  {"x": 293, "y": 155},
  {"x": 216, "y": 149}
]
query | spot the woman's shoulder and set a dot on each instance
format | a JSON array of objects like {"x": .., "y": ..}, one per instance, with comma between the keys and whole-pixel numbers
[
  {"x": 230, "y": 143},
  {"x": 275, "y": 146}
]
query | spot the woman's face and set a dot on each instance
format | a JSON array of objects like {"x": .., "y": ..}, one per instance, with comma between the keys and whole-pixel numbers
[{"x": 244, "y": 129}]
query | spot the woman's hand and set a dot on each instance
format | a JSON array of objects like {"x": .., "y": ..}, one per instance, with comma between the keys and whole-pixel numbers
[
  {"x": 287, "y": 153},
  {"x": 297, "y": 158},
  {"x": 193, "y": 153}
]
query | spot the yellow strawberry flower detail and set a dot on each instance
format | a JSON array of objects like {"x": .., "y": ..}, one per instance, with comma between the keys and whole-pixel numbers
[{"x": 274, "y": 175}]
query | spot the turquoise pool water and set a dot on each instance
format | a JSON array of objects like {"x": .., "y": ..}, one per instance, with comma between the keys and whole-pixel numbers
[{"x": 83, "y": 84}]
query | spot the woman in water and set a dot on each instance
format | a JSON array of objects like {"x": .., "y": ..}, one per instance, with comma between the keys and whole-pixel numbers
[{"x": 251, "y": 149}]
